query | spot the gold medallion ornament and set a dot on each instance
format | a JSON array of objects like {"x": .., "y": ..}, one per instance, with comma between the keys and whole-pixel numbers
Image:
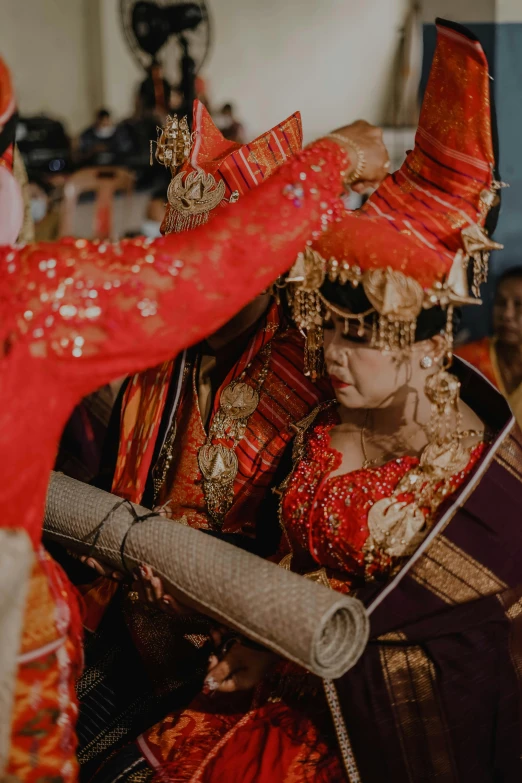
[
  {"x": 239, "y": 400},
  {"x": 191, "y": 198},
  {"x": 393, "y": 295},
  {"x": 397, "y": 527},
  {"x": 218, "y": 462}
]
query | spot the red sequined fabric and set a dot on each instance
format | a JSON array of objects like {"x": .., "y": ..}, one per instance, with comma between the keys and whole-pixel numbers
[
  {"x": 326, "y": 517},
  {"x": 76, "y": 314}
]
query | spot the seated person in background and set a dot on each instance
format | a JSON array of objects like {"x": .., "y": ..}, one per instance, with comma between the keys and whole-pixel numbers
[
  {"x": 105, "y": 143},
  {"x": 176, "y": 101},
  {"x": 499, "y": 357},
  {"x": 44, "y": 210},
  {"x": 229, "y": 125}
]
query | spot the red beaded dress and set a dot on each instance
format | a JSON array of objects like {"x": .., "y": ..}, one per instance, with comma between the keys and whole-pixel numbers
[
  {"x": 73, "y": 316},
  {"x": 281, "y": 731}
]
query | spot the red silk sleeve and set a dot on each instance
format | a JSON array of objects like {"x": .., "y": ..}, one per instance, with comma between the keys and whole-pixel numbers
[{"x": 99, "y": 310}]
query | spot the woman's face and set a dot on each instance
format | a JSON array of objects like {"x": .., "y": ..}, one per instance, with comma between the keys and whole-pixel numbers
[{"x": 363, "y": 377}]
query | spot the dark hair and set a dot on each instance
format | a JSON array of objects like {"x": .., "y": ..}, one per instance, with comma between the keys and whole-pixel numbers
[
  {"x": 512, "y": 273},
  {"x": 354, "y": 300},
  {"x": 102, "y": 114}
]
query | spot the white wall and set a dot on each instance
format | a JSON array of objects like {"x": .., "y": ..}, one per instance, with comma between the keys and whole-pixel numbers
[
  {"x": 121, "y": 74},
  {"x": 501, "y": 11},
  {"x": 461, "y": 10},
  {"x": 44, "y": 43},
  {"x": 276, "y": 56},
  {"x": 509, "y": 11},
  {"x": 329, "y": 58}
]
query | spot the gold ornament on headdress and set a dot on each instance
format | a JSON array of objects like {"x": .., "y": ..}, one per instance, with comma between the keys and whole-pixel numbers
[
  {"x": 173, "y": 144},
  {"x": 306, "y": 278},
  {"x": 191, "y": 196},
  {"x": 477, "y": 244},
  {"x": 396, "y": 298}
]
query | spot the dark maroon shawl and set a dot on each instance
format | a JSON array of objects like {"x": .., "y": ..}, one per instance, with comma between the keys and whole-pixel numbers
[{"x": 437, "y": 696}]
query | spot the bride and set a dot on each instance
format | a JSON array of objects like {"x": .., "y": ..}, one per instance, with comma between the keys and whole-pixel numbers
[{"x": 405, "y": 490}]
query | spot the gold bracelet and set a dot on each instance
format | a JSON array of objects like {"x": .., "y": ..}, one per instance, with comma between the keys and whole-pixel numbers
[{"x": 361, "y": 157}]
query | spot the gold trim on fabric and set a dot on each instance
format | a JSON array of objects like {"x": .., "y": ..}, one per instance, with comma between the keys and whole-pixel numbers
[
  {"x": 343, "y": 738},
  {"x": 411, "y": 679},
  {"x": 462, "y": 496},
  {"x": 509, "y": 456},
  {"x": 453, "y": 575},
  {"x": 514, "y": 611}
]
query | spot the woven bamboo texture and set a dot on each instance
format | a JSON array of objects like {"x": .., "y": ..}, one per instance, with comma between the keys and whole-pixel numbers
[{"x": 318, "y": 628}]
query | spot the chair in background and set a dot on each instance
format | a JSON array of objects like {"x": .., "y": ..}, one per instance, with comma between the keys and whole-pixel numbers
[{"x": 104, "y": 182}]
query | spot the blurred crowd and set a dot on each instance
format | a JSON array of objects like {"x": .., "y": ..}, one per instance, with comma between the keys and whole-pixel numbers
[{"x": 53, "y": 158}]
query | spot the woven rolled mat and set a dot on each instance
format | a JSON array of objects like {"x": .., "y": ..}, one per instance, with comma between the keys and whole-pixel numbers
[{"x": 318, "y": 628}]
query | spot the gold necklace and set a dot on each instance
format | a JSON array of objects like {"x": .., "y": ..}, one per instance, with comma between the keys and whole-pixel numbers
[
  {"x": 397, "y": 527},
  {"x": 219, "y": 463},
  {"x": 367, "y": 463}
]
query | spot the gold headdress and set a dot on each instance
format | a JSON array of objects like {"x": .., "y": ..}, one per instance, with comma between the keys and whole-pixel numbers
[
  {"x": 411, "y": 244},
  {"x": 208, "y": 170}
]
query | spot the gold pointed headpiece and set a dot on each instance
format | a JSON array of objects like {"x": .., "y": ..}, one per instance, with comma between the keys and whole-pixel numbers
[{"x": 418, "y": 237}]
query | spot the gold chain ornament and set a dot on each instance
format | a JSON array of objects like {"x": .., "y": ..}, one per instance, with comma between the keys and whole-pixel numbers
[{"x": 217, "y": 462}]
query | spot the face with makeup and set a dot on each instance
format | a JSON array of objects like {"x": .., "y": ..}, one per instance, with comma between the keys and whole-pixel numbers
[{"x": 366, "y": 377}]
